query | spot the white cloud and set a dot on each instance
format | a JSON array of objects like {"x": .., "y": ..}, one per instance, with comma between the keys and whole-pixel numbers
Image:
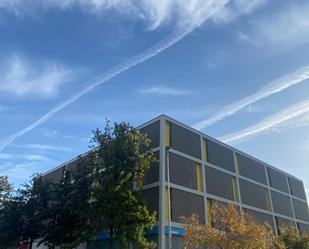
[
  {"x": 21, "y": 78},
  {"x": 153, "y": 12},
  {"x": 43, "y": 147},
  {"x": 26, "y": 157},
  {"x": 272, "y": 122},
  {"x": 163, "y": 91},
  {"x": 242, "y": 37},
  {"x": 269, "y": 89},
  {"x": 287, "y": 25}
]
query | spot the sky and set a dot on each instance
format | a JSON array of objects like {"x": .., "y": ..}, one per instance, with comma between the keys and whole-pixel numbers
[{"x": 238, "y": 70}]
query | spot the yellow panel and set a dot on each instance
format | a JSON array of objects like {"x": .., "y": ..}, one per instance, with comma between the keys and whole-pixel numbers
[
  {"x": 234, "y": 189},
  {"x": 205, "y": 150},
  {"x": 166, "y": 205},
  {"x": 267, "y": 199},
  {"x": 199, "y": 177},
  {"x": 209, "y": 207},
  {"x": 237, "y": 164},
  {"x": 168, "y": 134}
]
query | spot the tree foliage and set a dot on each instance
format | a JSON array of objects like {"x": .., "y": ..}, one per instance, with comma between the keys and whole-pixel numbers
[
  {"x": 229, "y": 229},
  {"x": 293, "y": 240}
]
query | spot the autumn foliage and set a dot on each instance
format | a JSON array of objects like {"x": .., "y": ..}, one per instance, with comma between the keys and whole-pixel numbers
[{"x": 229, "y": 229}]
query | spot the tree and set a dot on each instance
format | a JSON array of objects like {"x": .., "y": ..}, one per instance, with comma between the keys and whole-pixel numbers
[
  {"x": 119, "y": 162},
  {"x": 293, "y": 240},
  {"x": 5, "y": 189},
  {"x": 229, "y": 229}
]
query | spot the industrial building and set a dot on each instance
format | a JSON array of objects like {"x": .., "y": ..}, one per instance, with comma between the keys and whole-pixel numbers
[{"x": 195, "y": 170}]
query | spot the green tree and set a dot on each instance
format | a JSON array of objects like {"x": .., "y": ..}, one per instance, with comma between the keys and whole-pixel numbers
[
  {"x": 118, "y": 162},
  {"x": 293, "y": 240},
  {"x": 5, "y": 189}
]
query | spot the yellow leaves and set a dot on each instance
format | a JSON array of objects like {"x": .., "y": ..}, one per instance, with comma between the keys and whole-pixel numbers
[{"x": 231, "y": 230}]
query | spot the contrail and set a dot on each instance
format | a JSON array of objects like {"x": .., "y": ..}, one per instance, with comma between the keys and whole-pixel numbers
[
  {"x": 211, "y": 8},
  {"x": 268, "y": 90},
  {"x": 272, "y": 121}
]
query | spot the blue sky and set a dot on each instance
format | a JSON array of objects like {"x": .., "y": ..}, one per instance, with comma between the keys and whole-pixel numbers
[{"x": 236, "y": 69}]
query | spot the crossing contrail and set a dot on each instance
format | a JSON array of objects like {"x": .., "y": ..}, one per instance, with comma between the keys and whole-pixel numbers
[
  {"x": 268, "y": 90},
  {"x": 279, "y": 118},
  {"x": 204, "y": 14}
]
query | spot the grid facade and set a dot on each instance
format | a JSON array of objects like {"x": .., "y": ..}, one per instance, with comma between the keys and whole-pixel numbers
[{"x": 202, "y": 171}]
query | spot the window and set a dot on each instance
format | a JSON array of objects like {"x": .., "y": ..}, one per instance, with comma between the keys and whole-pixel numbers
[
  {"x": 220, "y": 156},
  {"x": 297, "y": 188},
  {"x": 184, "y": 204},
  {"x": 250, "y": 168},
  {"x": 185, "y": 141},
  {"x": 303, "y": 227},
  {"x": 152, "y": 174},
  {"x": 281, "y": 222},
  {"x": 220, "y": 184},
  {"x": 277, "y": 180},
  {"x": 185, "y": 172},
  {"x": 55, "y": 175},
  {"x": 260, "y": 218},
  {"x": 301, "y": 210},
  {"x": 151, "y": 199},
  {"x": 281, "y": 204},
  {"x": 153, "y": 133},
  {"x": 254, "y": 195}
]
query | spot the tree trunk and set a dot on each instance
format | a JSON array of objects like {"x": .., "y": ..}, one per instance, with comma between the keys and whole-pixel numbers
[{"x": 31, "y": 243}]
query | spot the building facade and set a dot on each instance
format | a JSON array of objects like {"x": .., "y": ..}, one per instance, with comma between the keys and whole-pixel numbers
[{"x": 195, "y": 171}]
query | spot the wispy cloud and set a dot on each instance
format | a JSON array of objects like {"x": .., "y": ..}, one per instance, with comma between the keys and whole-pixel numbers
[
  {"x": 43, "y": 147},
  {"x": 163, "y": 91},
  {"x": 270, "y": 123},
  {"x": 21, "y": 77},
  {"x": 287, "y": 25},
  {"x": 26, "y": 157},
  {"x": 202, "y": 13},
  {"x": 268, "y": 90},
  {"x": 242, "y": 37}
]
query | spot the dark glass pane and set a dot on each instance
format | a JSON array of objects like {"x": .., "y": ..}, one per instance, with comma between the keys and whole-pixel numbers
[
  {"x": 176, "y": 242},
  {"x": 297, "y": 188},
  {"x": 152, "y": 174},
  {"x": 153, "y": 133},
  {"x": 219, "y": 183},
  {"x": 281, "y": 204},
  {"x": 281, "y": 222},
  {"x": 251, "y": 169},
  {"x": 185, "y": 141},
  {"x": 182, "y": 171},
  {"x": 261, "y": 218},
  {"x": 184, "y": 204},
  {"x": 278, "y": 180},
  {"x": 151, "y": 198},
  {"x": 301, "y": 210},
  {"x": 220, "y": 156},
  {"x": 253, "y": 195},
  {"x": 303, "y": 227},
  {"x": 55, "y": 175}
]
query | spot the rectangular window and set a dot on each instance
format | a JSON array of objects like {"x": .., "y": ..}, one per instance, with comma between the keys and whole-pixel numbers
[
  {"x": 251, "y": 169},
  {"x": 277, "y": 180},
  {"x": 151, "y": 199},
  {"x": 254, "y": 195},
  {"x": 281, "y": 204},
  {"x": 55, "y": 176},
  {"x": 301, "y": 210},
  {"x": 220, "y": 156},
  {"x": 220, "y": 184},
  {"x": 152, "y": 174},
  {"x": 260, "y": 218},
  {"x": 184, "y": 204},
  {"x": 184, "y": 172},
  {"x": 281, "y": 222},
  {"x": 297, "y": 188},
  {"x": 153, "y": 133},
  {"x": 303, "y": 228},
  {"x": 185, "y": 141}
]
